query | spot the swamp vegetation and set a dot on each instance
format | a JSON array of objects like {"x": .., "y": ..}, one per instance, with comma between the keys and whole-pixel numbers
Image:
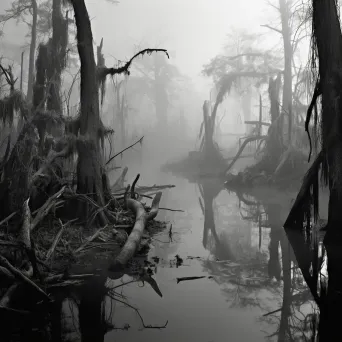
[{"x": 247, "y": 239}]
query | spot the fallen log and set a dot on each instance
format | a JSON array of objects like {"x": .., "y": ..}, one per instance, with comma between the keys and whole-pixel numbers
[{"x": 133, "y": 241}]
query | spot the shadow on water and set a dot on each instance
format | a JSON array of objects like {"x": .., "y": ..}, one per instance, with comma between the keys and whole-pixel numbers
[
  {"x": 321, "y": 266},
  {"x": 256, "y": 281}
]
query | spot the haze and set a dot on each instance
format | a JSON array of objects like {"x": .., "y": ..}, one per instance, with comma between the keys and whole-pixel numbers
[{"x": 194, "y": 31}]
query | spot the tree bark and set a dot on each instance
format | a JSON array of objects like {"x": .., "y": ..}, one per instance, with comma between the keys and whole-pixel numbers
[
  {"x": 90, "y": 159},
  {"x": 327, "y": 31},
  {"x": 32, "y": 49},
  {"x": 57, "y": 55}
]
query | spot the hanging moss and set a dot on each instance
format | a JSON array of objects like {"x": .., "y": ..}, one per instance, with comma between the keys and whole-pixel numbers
[
  {"x": 15, "y": 102},
  {"x": 39, "y": 87}
]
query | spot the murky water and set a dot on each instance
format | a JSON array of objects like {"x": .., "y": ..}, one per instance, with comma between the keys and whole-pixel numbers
[
  {"x": 239, "y": 243},
  {"x": 251, "y": 289}
]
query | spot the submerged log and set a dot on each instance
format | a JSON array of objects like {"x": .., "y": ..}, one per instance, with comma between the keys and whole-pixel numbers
[{"x": 133, "y": 241}]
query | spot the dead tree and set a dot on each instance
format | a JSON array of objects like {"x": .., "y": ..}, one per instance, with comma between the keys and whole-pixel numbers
[{"x": 90, "y": 170}]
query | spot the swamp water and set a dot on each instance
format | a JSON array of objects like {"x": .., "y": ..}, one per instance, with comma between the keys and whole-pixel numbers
[
  {"x": 239, "y": 245},
  {"x": 251, "y": 287}
]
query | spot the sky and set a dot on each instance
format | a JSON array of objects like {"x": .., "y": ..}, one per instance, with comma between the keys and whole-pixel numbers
[{"x": 193, "y": 31}]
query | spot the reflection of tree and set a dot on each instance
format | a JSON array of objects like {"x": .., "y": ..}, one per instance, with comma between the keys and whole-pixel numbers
[
  {"x": 290, "y": 294},
  {"x": 243, "y": 280},
  {"x": 80, "y": 311},
  {"x": 209, "y": 190},
  {"x": 312, "y": 255},
  {"x": 91, "y": 313}
]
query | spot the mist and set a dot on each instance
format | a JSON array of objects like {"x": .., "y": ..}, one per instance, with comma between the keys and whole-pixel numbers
[{"x": 170, "y": 171}]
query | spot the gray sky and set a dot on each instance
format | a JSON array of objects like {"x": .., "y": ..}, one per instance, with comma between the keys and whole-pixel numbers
[{"x": 194, "y": 30}]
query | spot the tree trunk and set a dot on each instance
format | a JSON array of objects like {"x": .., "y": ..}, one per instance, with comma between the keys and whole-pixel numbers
[
  {"x": 246, "y": 103},
  {"x": 275, "y": 141},
  {"x": 90, "y": 163},
  {"x": 287, "y": 89},
  {"x": 18, "y": 170},
  {"x": 32, "y": 50},
  {"x": 327, "y": 31},
  {"x": 208, "y": 132},
  {"x": 57, "y": 55}
]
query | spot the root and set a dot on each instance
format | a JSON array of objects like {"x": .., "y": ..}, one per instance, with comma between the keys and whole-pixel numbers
[{"x": 133, "y": 241}]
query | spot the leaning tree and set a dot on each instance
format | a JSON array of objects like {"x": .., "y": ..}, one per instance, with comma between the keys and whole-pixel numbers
[{"x": 326, "y": 65}]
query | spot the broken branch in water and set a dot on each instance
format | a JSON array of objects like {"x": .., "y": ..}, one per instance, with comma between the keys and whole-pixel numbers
[
  {"x": 170, "y": 233},
  {"x": 142, "y": 320},
  {"x": 191, "y": 278},
  {"x": 177, "y": 210}
]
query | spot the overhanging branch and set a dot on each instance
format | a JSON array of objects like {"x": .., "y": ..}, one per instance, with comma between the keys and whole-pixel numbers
[{"x": 103, "y": 72}]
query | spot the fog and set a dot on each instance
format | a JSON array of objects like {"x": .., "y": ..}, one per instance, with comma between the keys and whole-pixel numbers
[
  {"x": 213, "y": 128},
  {"x": 193, "y": 32}
]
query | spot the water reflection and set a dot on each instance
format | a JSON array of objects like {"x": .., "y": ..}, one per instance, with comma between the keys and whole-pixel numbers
[
  {"x": 321, "y": 266},
  {"x": 209, "y": 190},
  {"x": 267, "y": 277},
  {"x": 264, "y": 278}
]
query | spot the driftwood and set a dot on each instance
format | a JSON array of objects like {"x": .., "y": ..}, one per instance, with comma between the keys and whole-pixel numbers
[
  {"x": 133, "y": 241},
  {"x": 189, "y": 278}
]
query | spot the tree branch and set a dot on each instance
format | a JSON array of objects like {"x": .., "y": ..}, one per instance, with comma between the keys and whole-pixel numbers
[
  {"x": 139, "y": 141},
  {"x": 103, "y": 72},
  {"x": 272, "y": 28}
]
